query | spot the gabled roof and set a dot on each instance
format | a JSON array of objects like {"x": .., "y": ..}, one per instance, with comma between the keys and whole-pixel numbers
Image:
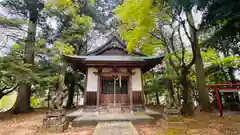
[
  {"x": 114, "y": 42},
  {"x": 112, "y": 53}
]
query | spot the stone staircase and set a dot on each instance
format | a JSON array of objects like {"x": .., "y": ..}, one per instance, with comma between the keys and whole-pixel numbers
[{"x": 90, "y": 117}]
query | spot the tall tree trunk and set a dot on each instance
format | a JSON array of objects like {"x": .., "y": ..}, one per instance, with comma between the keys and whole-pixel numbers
[
  {"x": 187, "y": 109},
  {"x": 71, "y": 91},
  {"x": 231, "y": 74},
  {"x": 22, "y": 103},
  {"x": 178, "y": 96},
  {"x": 201, "y": 82},
  {"x": 172, "y": 97},
  {"x": 146, "y": 99},
  {"x": 200, "y": 73},
  {"x": 157, "y": 98}
]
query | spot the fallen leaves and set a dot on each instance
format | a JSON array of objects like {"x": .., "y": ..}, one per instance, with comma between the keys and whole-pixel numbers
[{"x": 202, "y": 124}]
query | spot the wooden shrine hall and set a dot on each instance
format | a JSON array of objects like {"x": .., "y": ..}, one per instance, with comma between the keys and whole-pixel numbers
[{"x": 112, "y": 75}]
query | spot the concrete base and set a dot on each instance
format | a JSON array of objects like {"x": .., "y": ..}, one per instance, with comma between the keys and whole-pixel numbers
[
  {"x": 172, "y": 115},
  {"x": 90, "y": 116},
  {"x": 93, "y": 120},
  {"x": 153, "y": 113},
  {"x": 54, "y": 123},
  {"x": 53, "y": 120},
  {"x": 77, "y": 113},
  {"x": 115, "y": 128}
]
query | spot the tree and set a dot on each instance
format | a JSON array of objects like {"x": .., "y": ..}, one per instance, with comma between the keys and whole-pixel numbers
[
  {"x": 13, "y": 72},
  {"x": 146, "y": 18},
  {"x": 222, "y": 25},
  {"x": 40, "y": 50},
  {"x": 186, "y": 7},
  {"x": 143, "y": 31},
  {"x": 73, "y": 29},
  {"x": 22, "y": 103},
  {"x": 153, "y": 85}
]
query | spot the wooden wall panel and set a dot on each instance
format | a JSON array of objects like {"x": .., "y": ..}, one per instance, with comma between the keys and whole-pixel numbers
[
  {"x": 137, "y": 97},
  {"x": 114, "y": 51},
  {"x": 91, "y": 98},
  {"x": 109, "y": 98}
]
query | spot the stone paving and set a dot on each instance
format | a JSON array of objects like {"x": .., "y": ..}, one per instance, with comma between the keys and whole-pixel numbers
[
  {"x": 115, "y": 128},
  {"x": 93, "y": 119},
  {"x": 82, "y": 118}
]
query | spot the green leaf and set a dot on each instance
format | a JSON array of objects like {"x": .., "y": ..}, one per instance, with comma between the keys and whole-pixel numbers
[{"x": 16, "y": 46}]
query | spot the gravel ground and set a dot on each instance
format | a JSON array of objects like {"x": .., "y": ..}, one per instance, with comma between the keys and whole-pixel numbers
[
  {"x": 30, "y": 124},
  {"x": 203, "y": 124}
]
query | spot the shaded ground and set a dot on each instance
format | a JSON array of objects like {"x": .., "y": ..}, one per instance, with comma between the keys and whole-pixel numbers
[
  {"x": 30, "y": 124},
  {"x": 202, "y": 124}
]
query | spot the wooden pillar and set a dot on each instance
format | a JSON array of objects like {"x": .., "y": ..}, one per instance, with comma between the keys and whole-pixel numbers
[
  {"x": 143, "y": 95},
  {"x": 85, "y": 90},
  {"x": 219, "y": 102},
  {"x": 114, "y": 92},
  {"x": 98, "y": 94},
  {"x": 130, "y": 94}
]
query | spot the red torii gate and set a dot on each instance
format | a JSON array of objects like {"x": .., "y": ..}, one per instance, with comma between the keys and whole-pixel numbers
[{"x": 217, "y": 89}]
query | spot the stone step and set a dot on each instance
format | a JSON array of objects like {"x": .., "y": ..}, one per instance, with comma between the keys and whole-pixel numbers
[
  {"x": 74, "y": 114},
  {"x": 93, "y": 120},
  {"x": 115, "y": 128},
  {"x": 153, "y": 113}
]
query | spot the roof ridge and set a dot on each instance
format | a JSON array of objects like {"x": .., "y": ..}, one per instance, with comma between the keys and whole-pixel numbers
[{"x": 107, "y": 44}]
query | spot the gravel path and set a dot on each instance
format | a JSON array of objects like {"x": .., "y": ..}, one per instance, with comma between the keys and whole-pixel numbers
[
  {"x": 115, "y": 128},
  {"x": 203, "y": 124}
]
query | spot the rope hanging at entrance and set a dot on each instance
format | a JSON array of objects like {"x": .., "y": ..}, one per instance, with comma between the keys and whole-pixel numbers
[{"x": 120, "y": 80}]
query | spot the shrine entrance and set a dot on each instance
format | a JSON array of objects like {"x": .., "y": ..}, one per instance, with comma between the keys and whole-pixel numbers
[{"x": 114, "y": 90}]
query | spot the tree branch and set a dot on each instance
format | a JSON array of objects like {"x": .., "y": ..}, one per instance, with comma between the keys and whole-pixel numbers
[
  {"x": 192, "y": 45},
  {"x": 6, "y": 93},
  {"x": 186, "y": 33},
  {"x": 168, "y": 50},
  {"x": 182, "y": 45},
  {"x": 211, "y": 69},
  {"x": 172, "y": 45}
]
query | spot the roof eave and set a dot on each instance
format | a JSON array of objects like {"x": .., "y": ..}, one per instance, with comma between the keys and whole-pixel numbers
[{"x": 80, "y": 63}]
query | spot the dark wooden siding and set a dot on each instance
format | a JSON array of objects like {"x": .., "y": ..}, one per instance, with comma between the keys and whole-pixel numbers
[
  {"x": 91, "y": 98},
  {"x": 137, "y": 97}
]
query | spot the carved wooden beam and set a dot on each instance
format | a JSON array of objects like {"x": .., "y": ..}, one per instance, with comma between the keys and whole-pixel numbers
[
  {"x": 99, "y": 71},
  {"x": 129, "y": 70},
  {"x": 114, "y": 74}
]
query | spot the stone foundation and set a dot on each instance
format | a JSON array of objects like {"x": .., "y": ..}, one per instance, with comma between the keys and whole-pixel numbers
[
  {"x": 172, "y": 114},
  {"x": 57, "y": 128},
  {"x": 55, "y": 123}
]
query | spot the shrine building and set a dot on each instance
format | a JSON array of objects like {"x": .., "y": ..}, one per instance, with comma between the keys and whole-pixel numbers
[{"x": 113, "y": 76}]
